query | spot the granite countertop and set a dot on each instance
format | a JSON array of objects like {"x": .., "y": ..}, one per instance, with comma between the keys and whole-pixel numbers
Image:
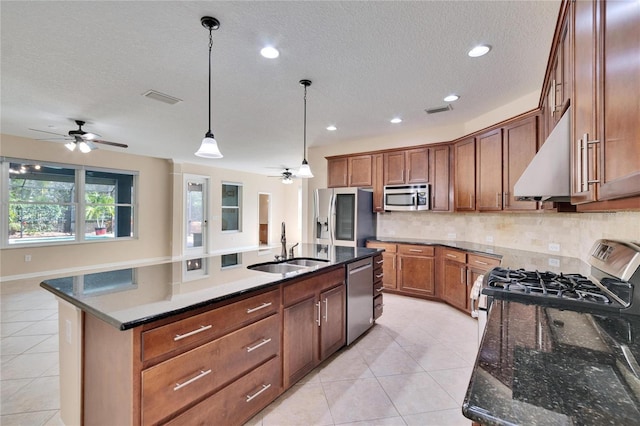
[
  {"x": 541, "y": 365},
  {"x": 126, "y": 298},
  {"x": 509, "y": 258}
]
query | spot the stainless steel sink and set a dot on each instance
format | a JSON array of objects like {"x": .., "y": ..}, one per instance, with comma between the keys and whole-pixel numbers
[
  {"x": 292, "y": 265},
  {"x": 307, "y": 262}
]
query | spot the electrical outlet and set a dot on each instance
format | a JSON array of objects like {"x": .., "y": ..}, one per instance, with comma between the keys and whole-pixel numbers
[
  {"x": 489, "y": 238},
  {"x": 451, "y": 235},
  {"x": 27, "y": 258},
  {"x": 554, "y": 247},
  {"x": 67, "y": 331},
  {"x": 554, "y": 262}
]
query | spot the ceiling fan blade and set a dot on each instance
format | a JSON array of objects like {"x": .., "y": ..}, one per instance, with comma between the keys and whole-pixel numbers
[
  {"x": 119, "y": 145},
  {"x": 55, "y": 139},
  {"x": 51, "y": 133}
]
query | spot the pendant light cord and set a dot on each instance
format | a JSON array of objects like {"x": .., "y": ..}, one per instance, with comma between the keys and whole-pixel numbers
[
  {"x": 304, "y": 149},
  {"x": 210, "y": 46}
]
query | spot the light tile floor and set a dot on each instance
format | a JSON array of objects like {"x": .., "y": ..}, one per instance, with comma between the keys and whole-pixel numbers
[{"x": 412, "y": 368}]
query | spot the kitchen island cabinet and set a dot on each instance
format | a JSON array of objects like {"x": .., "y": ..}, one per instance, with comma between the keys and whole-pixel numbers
[{"x": 154, "y": 351}]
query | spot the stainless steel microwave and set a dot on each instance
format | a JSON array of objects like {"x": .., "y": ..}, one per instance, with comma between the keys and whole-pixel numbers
[{"x": 407, "y": 197}]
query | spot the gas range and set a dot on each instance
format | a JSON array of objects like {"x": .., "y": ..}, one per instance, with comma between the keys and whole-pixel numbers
[{"x": 615, "y": 271}]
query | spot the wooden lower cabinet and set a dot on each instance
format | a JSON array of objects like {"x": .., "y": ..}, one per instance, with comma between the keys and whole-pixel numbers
[
  {"x": 388, "y": 263},
  {"x": 416, "y": 270},
  {"x": 455, "y": 284},
  {"x": 314, "y": 323}
]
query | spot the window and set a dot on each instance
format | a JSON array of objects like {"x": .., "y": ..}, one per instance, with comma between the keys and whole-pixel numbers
[
  {"x": 231, "y": 207},
  {"x": 195, "y": 213},
  {"x": 50, "y": 203},
  {"x": 229, "y": 260}
]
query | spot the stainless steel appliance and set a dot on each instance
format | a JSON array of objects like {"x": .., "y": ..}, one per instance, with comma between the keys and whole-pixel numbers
[
  {"x": 343, "y": 217},
  {"x": 479, "y": 306},
  {"x": 359, "y": 298},
  {"x": 407, "y": 197},
  {"x": 615, "y": 272}
]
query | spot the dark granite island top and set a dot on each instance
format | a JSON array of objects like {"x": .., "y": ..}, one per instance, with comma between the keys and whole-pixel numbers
[
  {"x": 126, "y": 298},
  {"x": 544, "y": 366}
]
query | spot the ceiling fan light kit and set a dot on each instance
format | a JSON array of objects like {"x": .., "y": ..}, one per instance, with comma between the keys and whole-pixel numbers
[
  {"x": 305, "y": 171},
  {"x": 209, "y": 146},
  {"x": 78, "y": 138}
]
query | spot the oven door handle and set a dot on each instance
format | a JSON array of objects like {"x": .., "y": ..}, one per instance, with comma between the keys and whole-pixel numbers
[{"x": 475, "y": 295}]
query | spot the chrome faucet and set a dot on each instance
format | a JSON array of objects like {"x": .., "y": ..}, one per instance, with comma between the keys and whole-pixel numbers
[
  {"x": 283, "y": 240},
  {"x": 291, "y": 250}
]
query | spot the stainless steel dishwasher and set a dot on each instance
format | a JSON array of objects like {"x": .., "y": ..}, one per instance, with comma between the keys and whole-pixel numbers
[{"x": 359, "y": 298}]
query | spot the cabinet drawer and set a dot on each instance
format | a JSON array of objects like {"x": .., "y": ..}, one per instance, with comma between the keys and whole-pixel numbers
[
  {"x": 377, "y": 306},
  {"x": 483, "y": 262},
  {"x": 415, "y": 249},
  {"x": 388, "y": 247},
  {"x": 177, "y": 382},
  {"x": 208, "y": 325},
  {"x": 300, "y": 290},
  {"x": 239, "y": 401},
  {"x": 377, "y": 287},
  {"x": 455, "y": 255}
]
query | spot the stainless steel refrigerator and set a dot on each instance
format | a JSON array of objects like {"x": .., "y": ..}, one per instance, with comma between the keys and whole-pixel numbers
[{"x": 344, "y": 217}]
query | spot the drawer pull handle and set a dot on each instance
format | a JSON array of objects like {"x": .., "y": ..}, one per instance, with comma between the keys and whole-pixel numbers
[
  {"x": 452, "y": 255},
  {"x": 257, "y": 308},
  {"x": 481, "y": 262},
  {"x": 253, "y": 348},
  {"x": 318, "y": 319},
  {"x": 264, "y": 388},
  {"x": 193, "y": 379},
  {"x": 191, "y": 333},
  {"x": 379, "y": 289},
  {"x": 415, "y": 250},
  {"x": 379, "y": 262},
  {"x": 379, "y": 275}
]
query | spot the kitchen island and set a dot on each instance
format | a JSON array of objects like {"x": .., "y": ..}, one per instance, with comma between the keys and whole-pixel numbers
[
  {"x": 160, "y": 343},
  {"x": 546, "y": 366}
]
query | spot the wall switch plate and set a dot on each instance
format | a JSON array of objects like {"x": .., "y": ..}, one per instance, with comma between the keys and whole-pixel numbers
[
  {"x": 554, "y": 247},
  {"x": 554, "y": 262},
  {"x": 27, "y": 258},
  {"x": 451, "y": 235},
  {"x": 489, "y": 238}
]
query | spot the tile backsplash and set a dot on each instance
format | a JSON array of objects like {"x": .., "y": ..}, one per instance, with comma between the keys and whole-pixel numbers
[{"x": 569, "y": 234}]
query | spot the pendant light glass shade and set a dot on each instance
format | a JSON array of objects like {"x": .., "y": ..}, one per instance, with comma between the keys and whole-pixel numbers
[
  {"x": 209, "y": 146},
  {"x": 305, "y": 171},
  {"x": 71, "y": 146}
]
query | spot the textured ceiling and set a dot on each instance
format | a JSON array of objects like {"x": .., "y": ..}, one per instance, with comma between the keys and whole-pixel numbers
[{"x": 368, "y": 61}]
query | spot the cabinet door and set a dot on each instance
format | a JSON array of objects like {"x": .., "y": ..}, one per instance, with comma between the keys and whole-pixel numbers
[
  {"x": 394, "y": 165},
  {"x": 465, "y": 175},
  {"x": 619, "y": 173},
  {"x": 519, "y": 148},
  {"x": 378, "y": 182},
  {"x": 584, "y": 101},
  {"x": 332, "y": 321},
  {"x": 417, "y": 165},
  {"x": 300, "y": 339},
  {"x": 455, "y": 284},
  {"x": 489, "y": 171},
  {"x": 439, "y": 178},
  {"x": 416, "y": 274},
  {"x": 359, "y": 169},
  {"x": 389, "y": 270},
  {"x": 337, "y": 172}
]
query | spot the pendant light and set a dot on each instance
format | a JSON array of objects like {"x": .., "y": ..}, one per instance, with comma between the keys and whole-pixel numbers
[
  {"x": 305, "y": 171},
  {"x": 209, "y": 146}
]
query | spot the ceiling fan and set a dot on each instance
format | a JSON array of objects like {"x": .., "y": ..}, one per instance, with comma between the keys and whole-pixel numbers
[
  {"x": 286, "y": 176},
  {"x": 78, "y": 138}
]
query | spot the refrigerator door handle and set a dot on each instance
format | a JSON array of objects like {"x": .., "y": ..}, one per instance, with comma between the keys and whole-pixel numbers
[{"x": 332, "y": 218}]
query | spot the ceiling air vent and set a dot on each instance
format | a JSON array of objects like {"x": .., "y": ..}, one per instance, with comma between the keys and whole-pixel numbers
[
  {"x": 439, "y": 109},
  {"x": 152, "y": 94}
]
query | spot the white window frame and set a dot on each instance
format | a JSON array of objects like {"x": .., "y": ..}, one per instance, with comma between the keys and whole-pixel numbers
[
  {"x": 239, "y": 206},
  {"x": 205, "y": 214},
  {"x": 78, "y": 202}
]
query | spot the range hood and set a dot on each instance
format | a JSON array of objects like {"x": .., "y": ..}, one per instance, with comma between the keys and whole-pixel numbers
[{"x": 547, "y": 177}]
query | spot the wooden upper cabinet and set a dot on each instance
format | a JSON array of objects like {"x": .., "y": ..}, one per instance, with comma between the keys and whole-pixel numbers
[
  {"x": 352, "y": 171},
  {"x": 377, "y": 162},
  {"x": 439, "y": 177},
  {"x": 518, "y": 149},
  {"x": 406, "y": 167},
  {"x": 489, "y": 170},
  {"x": 337, "y": 176},
  {"x": 619, "y": 173},
  {"x": 465, "y": 175},
  {"x": 606, "y": 130},
  {"x": 359, "y": 171}
]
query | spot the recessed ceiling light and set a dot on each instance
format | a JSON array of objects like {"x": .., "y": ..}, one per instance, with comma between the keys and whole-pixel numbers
[
  {"x": 396, "y": 120},
  {"x": 331, "y": 128},
  {"x": 451, "y": 98},
  {"x": 270, "y": 52},
  {"x": 483, "y": 49}
]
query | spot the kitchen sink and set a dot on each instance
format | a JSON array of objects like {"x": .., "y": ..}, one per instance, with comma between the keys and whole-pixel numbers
[{"x": 287, "y": 266}]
